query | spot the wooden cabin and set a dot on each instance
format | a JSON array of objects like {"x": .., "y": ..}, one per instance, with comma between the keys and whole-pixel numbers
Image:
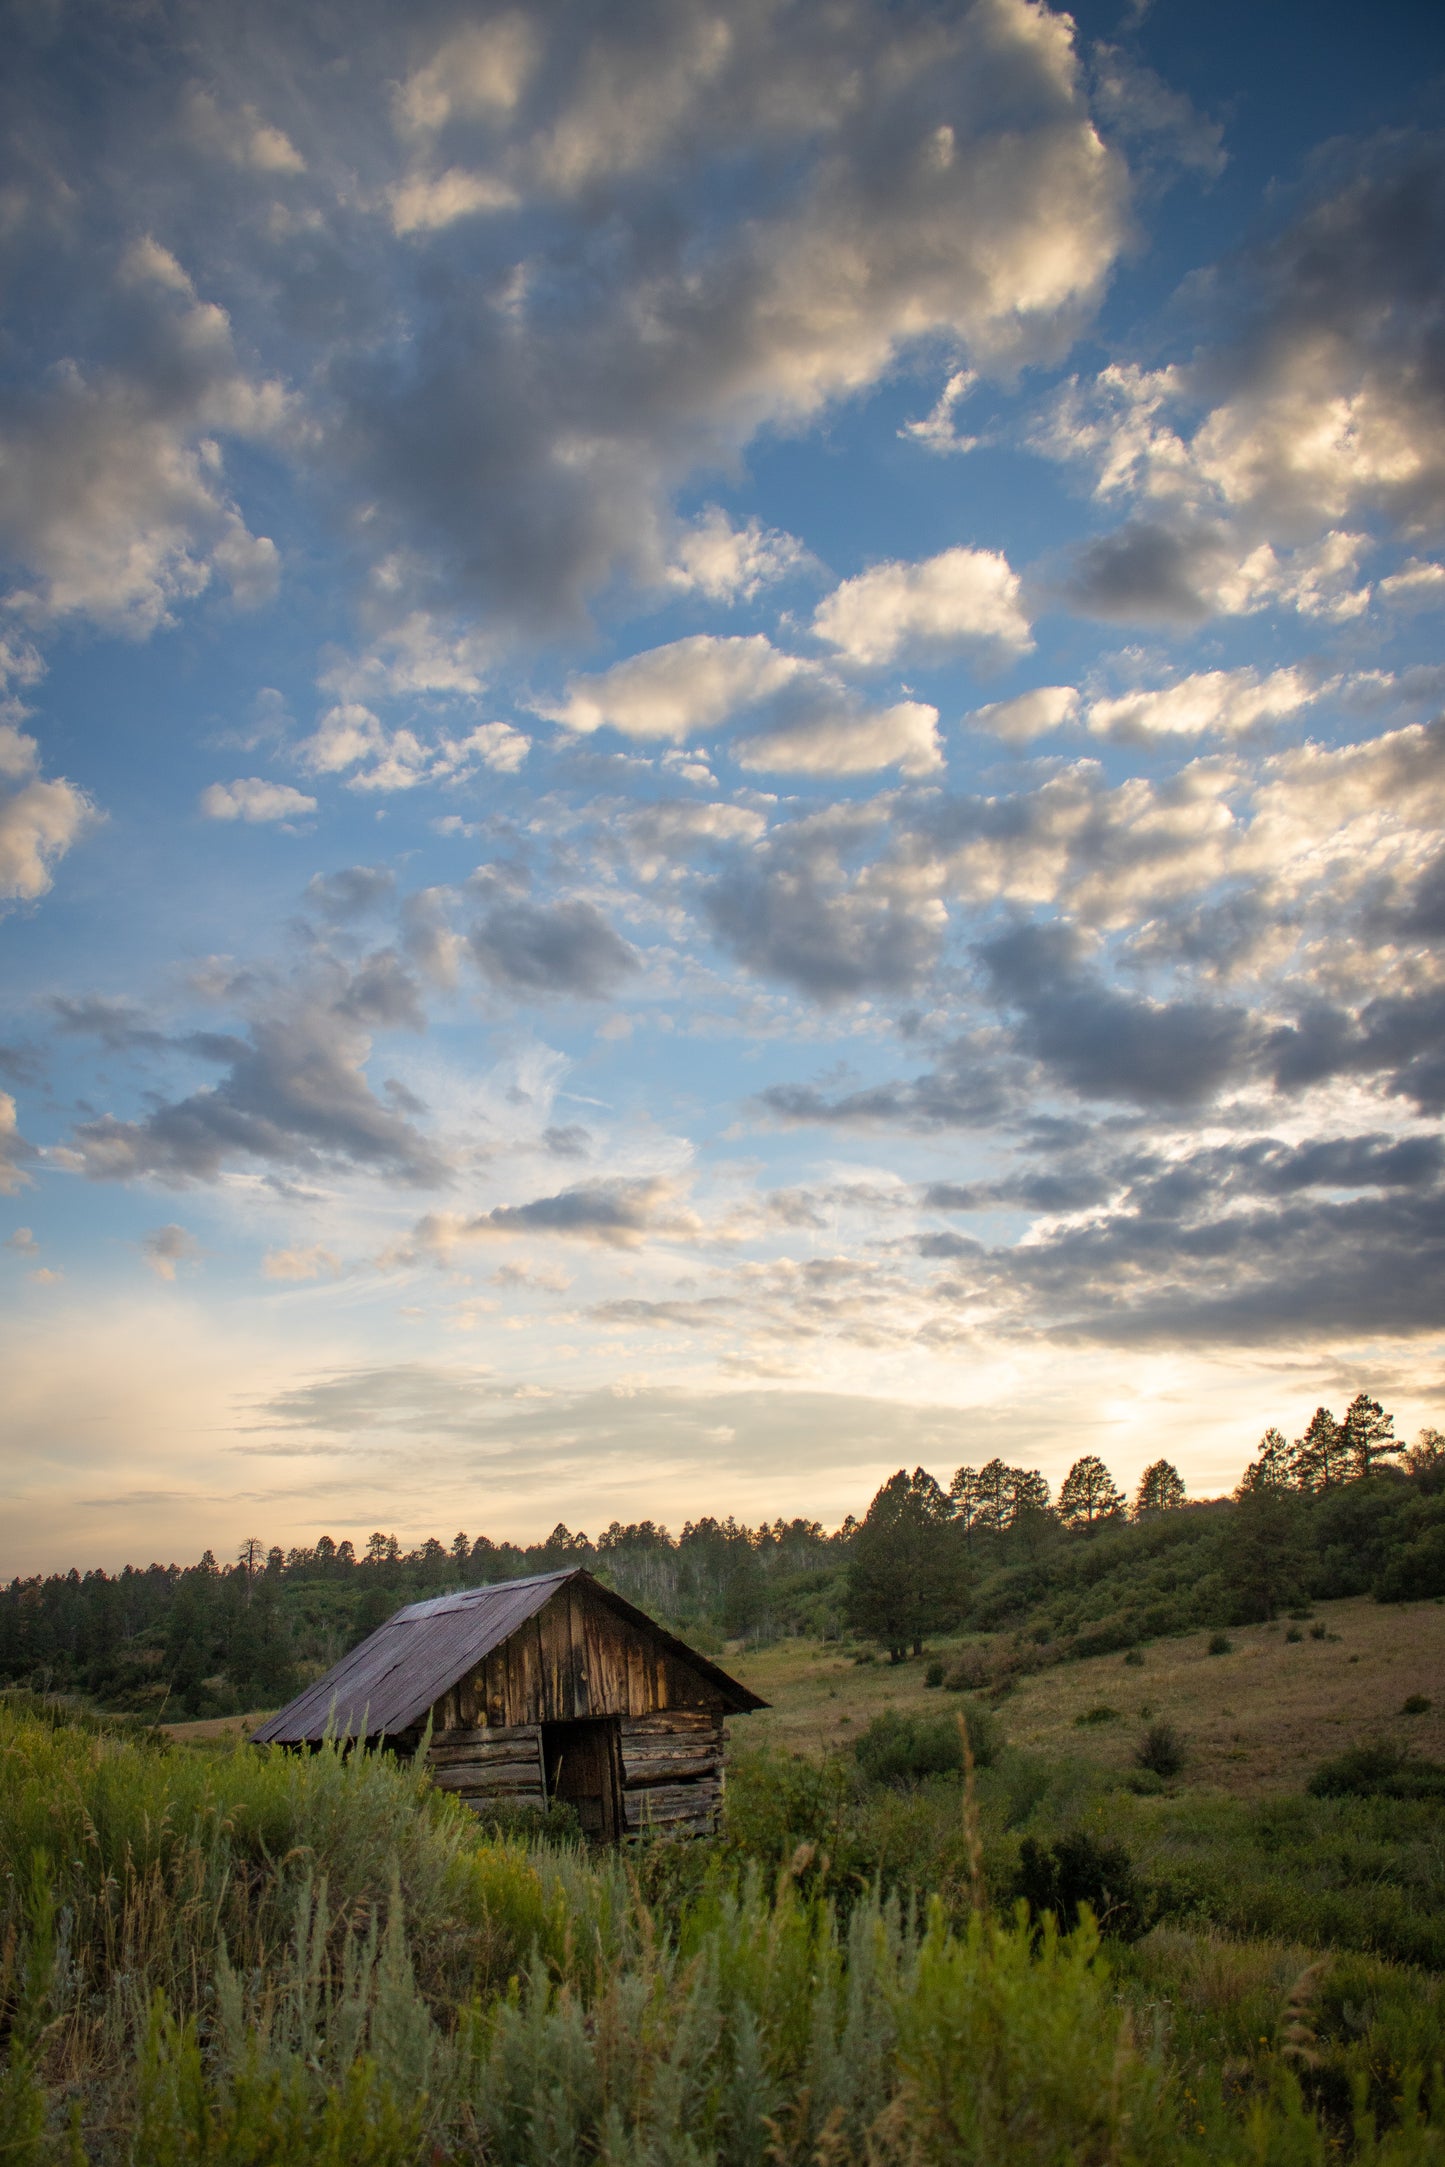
[{"x": 539, "y": 1689}]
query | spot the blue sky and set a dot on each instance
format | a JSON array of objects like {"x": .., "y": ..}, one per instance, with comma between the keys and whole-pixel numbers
[{"x": 721, "y": 758}]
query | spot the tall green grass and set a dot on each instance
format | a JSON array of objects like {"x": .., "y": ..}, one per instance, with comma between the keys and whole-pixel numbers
[{"x": 259, "y": 1958}]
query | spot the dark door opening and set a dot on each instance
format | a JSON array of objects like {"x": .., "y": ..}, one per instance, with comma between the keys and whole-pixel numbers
[{"x": 583, "y": 1761}]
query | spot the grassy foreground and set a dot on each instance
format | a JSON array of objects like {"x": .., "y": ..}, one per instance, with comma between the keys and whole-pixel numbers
[{"x": 227, "y": 1956}]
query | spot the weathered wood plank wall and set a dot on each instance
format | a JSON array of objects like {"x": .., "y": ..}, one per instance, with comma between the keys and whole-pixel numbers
[{"x": 577, "y": 1659}]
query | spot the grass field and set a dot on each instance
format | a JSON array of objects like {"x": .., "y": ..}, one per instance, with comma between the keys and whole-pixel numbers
[{"x": 1257, "y": 1719}]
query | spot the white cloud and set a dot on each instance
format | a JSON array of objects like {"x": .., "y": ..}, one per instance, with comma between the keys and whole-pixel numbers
[
  {"x": 422, "y": 204},
  {"x": 420, "y": 654},
  {"x": 1318, "y": 581},
  {"x": 1419, "y": 584},
  {"x": 297, "y": 1263},
  {"x": 728, "y": 563},
  {"x": 835, "y": 734},
  {"x": 39, "y": 820},
  {"x": 1028, "y": 714},
  {"x": 1226, "y": 703},
  {"x": 679, "y": 690},
  {"x": 253, "y": 799},
  {"x": 346, "y": 734},
  {"x": 938, "y": 431},
  {"x": 479, "y": 71},
  {"x": 111, "y": 491},
  {"x": 351, "y": 735},
  {"x": 497, "y": 745},
  {"x": 241, "y": 138},
  {"x": 961, "y": 598},
  {"x": 23, "y": 1239}
]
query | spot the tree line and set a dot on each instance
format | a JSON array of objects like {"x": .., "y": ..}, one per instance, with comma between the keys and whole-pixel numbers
[{"x": 1345, "y": 1508}]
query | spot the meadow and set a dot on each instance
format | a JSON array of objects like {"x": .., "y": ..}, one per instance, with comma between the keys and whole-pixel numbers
[{"x": 212, "y": 1953}]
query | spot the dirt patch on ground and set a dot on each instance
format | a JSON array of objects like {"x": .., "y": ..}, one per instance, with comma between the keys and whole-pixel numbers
[{"x": 1258, "y": 1718}]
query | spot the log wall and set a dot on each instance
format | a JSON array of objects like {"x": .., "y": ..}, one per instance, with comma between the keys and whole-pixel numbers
[
  {"x": 482, "y": 1765},
  {"x": 672, "y": 1772},
  {"x": 575, "y": 1660},
  {"x": 672, "y": 1769}
]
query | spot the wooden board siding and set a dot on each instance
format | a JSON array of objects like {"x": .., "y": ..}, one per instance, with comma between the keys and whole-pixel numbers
[
  {"x": 575, "y": 1659},
  {"x": 672, "y": 1771},
  {"x": 485, "y": 1764},
  {"x": 671, "y": 1768}
]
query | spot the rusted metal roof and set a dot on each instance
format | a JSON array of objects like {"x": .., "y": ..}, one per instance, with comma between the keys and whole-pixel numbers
[{"x": 389, "y": 1682}]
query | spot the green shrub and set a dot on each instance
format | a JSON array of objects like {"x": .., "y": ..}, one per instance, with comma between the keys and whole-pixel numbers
[
  {"x": 1416, "y": 1704},
  {"x": 1161, "y": 1750},
  {"x": 934, "y": 1674},
  {"x": 1378, "y": 1769},
  {"x": 1294, "y": 1634},
  {"x": 1135, "y": 1659},
  {"x": 1078, "y": 1869},
  {"x": 901, "y": 1749},
  {"x": 1101, "y": 1714},
  {"x": 1221, "y": 1644}
]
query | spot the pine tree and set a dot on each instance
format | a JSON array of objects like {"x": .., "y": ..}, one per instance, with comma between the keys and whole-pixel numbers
[
  {"x": 1161, "y": 1489},
  {"x": 1319, "y": 1456},
  {"x": 1367, "y": 1435},
  {"x": 1274, "y": 1468},
  {"x": 964, "y": 1492},
  {"x": 1089, "y": 1494},
  {"x": 995, "y": 1497},
  {"x": 903, "y": 1572}
]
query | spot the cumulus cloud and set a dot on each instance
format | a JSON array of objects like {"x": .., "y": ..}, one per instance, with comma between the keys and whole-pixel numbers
[
  {"x": 808, "y": 722},
  {"x": 963, "y": 598},
  {"x": 1252, "y": 1244},
  {"x": 165, "y": 1248},
  {"x": 1223, "y": 703},
  {"x": 294, "y": 1094},
  {"x": 351, "y": 736},
  {"x": 725, "y": 563},
  {"x": 112, "y": 497},
  {"x": 617, "y": 1214},
  {"x": 39, "y": 820},
  {"x": 1028, "y": 714},
  {"x": 533, "y": 949},
  {"x": 678, "y": 691},
  {"x": 830, "y": 939},
  {"x": 1255, "y": 465},
  {"x": 867, "y": 225},
  {"x": 251, "y": 798},
  {"x": 1419, "y": 584},
  {"x": 827, "y": 730},
  {"x": 422, "y": 203},
  {"x": 1108, "y": 1044},
  {"x": 670, "y": 832}
]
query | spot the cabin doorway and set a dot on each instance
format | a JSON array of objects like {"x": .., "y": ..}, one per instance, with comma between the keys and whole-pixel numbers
[{"x": 583, "y": 1761}]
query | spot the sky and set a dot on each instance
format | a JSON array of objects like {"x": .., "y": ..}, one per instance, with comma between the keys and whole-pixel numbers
[{"x": 721, "y": 758}]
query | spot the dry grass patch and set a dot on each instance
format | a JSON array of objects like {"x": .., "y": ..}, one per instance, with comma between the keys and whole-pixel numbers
[{"x": 1259, "y": 1718}]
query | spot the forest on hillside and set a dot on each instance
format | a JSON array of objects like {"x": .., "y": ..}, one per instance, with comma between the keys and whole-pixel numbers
[{"x": 1345, "y": 1509}]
